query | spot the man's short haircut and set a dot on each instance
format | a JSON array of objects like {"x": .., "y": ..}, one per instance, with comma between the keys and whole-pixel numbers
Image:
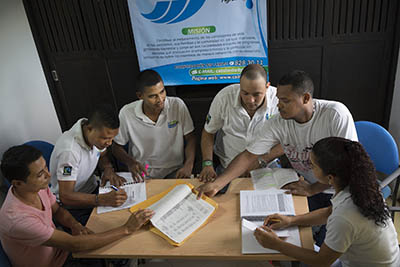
[
  {"x": 254, "y": 71},
  {"x": 16, "y": 160},
  {"x": 300, "y": 81},
  {"x": 104, "y": 116},
  {"x": 147, "y": 78}
]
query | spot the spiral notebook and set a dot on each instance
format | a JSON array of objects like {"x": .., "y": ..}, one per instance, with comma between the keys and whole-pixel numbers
[{"x": 136, "y": 193}]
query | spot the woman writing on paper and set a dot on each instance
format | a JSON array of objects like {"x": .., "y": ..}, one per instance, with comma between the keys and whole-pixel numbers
[{"x": 360, "y": 231}]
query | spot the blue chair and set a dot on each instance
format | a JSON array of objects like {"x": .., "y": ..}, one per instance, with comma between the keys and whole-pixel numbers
[
  {"x": 4, "y": 261},
  {"x": 45, "y": 147},
  {"x": 383, "y": 151}
]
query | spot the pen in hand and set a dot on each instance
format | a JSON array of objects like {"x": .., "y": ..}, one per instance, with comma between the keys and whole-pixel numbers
[{"x": 114, "y": 187}]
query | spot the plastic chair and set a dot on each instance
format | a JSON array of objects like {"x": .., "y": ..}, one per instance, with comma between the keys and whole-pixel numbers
[
  {"x": 383, "y": 151},
  {"x": 45, "y": 147},
  {"x": 4, "y": 261}
]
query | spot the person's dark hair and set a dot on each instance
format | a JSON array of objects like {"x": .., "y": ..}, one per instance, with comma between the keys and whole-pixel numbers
[
  {"x": 147, "y": 78},
  {"x": 254, "y": 71},
  {"x": 16, "y": 160},
  {"x": 103, "y": 116},
  {"x": 300, "y": 81},
  {"x": 349, "y": 162}
]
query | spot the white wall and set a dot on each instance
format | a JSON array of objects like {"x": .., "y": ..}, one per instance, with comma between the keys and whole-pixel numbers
[
  {"x": 26, "y": 107},
  {"x": 394, "y": 123}
]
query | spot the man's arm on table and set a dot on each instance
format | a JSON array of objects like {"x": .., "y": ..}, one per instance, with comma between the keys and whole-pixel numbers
[
  {"x": 304, "y": 188},
  {"x": 207, "y": 173},
  {"x": 77, "y": 199},
  {"x": 63, "y": 217},
  {"x": 78, "y": 243},
  {"x": 238, "y": 165},
  {"x": 190, "y": 150},
  {"x": 274, "y": 153},
  {"x": 108, "y": 171},
  {"x": 134, "y": 166}
]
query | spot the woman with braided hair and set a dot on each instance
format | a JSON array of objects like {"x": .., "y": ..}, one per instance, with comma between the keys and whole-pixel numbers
[{"x": 359, "y": 229}]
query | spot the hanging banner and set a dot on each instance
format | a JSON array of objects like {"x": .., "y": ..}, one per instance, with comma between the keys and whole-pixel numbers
[{"x": 199, "y": 41}]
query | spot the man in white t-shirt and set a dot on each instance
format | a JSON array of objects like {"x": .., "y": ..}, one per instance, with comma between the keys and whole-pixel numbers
[
  {"x": 236, "y": 113},
  {"x": 74, "y": 159},
  {"x": 159, "y": 131},
  {"x": 302, "y": 122}
]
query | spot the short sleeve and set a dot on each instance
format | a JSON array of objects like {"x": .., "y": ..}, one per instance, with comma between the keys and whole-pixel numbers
[
  {"x": 31, "y": 231},
  {"x": 122, "y": 138},
  {"x": 187, "y": 122},
  {"x": 214, "y": 119},
  {"x": 67, "y": 166},
  {"x": 264, "y": 139},
  {"x": 343, "y": 124},
  {"x": 339, "y": 234}
]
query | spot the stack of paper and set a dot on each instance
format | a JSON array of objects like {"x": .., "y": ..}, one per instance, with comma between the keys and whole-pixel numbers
[{"x": 254, "y": 207}]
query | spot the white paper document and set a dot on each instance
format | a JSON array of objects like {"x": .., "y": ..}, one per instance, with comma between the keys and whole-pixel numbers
[
  {"x": 252, "y": 226},
  {"x": 250, "y": 244},
  {"x": 260, "y": 203},
  {"x": 136, "y": 193},
  {"x": 178, "y": 214},
  {"x": 255, "y": 205},
  {"x": 266, "y": 178}
]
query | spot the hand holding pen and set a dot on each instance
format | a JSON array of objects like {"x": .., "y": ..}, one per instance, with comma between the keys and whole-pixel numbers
[{"x": 277, "y": 221}]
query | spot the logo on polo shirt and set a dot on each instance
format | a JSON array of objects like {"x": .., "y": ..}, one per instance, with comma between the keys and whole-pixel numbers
[
  {"x": 67, "y": 171},
  {"x": 208, "y": 118},
  {"x": 172, "y": 124}
]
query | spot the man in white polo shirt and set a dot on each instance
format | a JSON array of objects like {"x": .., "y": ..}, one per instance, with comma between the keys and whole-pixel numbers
[
  {"x": 74, "y": 159},
  {"x": 159, "y": 131},
  {"x": 236, "y": 113}
]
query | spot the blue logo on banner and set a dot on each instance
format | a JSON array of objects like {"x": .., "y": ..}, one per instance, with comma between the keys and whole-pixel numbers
[{"x": 169, "y": 11}]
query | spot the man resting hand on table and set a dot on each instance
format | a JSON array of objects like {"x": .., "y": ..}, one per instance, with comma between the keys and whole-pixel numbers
[{"x": 27, "y": 232}]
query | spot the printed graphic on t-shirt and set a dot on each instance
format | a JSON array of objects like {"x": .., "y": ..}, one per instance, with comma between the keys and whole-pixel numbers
[
  {"x": 300, "y": 160},
  {"x": 172, "y": 124},
  {"x": 67, "y": 170}
]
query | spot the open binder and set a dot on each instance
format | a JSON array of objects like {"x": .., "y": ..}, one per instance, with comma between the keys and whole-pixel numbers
[{"x": 178, "y": 214}]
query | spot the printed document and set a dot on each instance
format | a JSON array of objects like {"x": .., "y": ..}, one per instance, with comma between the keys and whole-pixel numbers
[
  {"x": 178, "y": 214},
  {"x": 266, "y": 178},
  {"x": 255, "y": 205},
  {"x": 136, "y": 193}
]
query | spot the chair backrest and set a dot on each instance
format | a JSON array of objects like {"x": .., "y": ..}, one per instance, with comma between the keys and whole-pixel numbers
[
  {"x": 380, "y": 146},
  {"x": 45, "y": 147},
  {"x": 4, "y": 261}
]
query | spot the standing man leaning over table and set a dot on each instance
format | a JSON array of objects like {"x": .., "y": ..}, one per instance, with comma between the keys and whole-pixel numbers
[
  {"x": 159, "y": 130},
  {"x": 302, "y": 122},
  {"x": 74, "y": 159},
  {"x": 236, "y": 113},
  {"x": 27, "y": 232}
]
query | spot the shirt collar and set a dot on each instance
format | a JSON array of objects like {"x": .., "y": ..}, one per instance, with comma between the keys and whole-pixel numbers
[
  {"x": 78, "y": 134},
  {"x": 340, "y": 197},
  {"x": 143, "y": 117}
]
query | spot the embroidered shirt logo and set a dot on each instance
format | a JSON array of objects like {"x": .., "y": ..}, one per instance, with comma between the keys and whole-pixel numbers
[
  {"x": 67, "y": 170},
  {"x": 172, "y": 124},
  {"x": 208, "y": 118}
]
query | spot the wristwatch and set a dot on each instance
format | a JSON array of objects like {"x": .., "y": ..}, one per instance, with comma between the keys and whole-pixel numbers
[
  {"x": 262, "y": 162},
  {"x": 207, "y": 163}
]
